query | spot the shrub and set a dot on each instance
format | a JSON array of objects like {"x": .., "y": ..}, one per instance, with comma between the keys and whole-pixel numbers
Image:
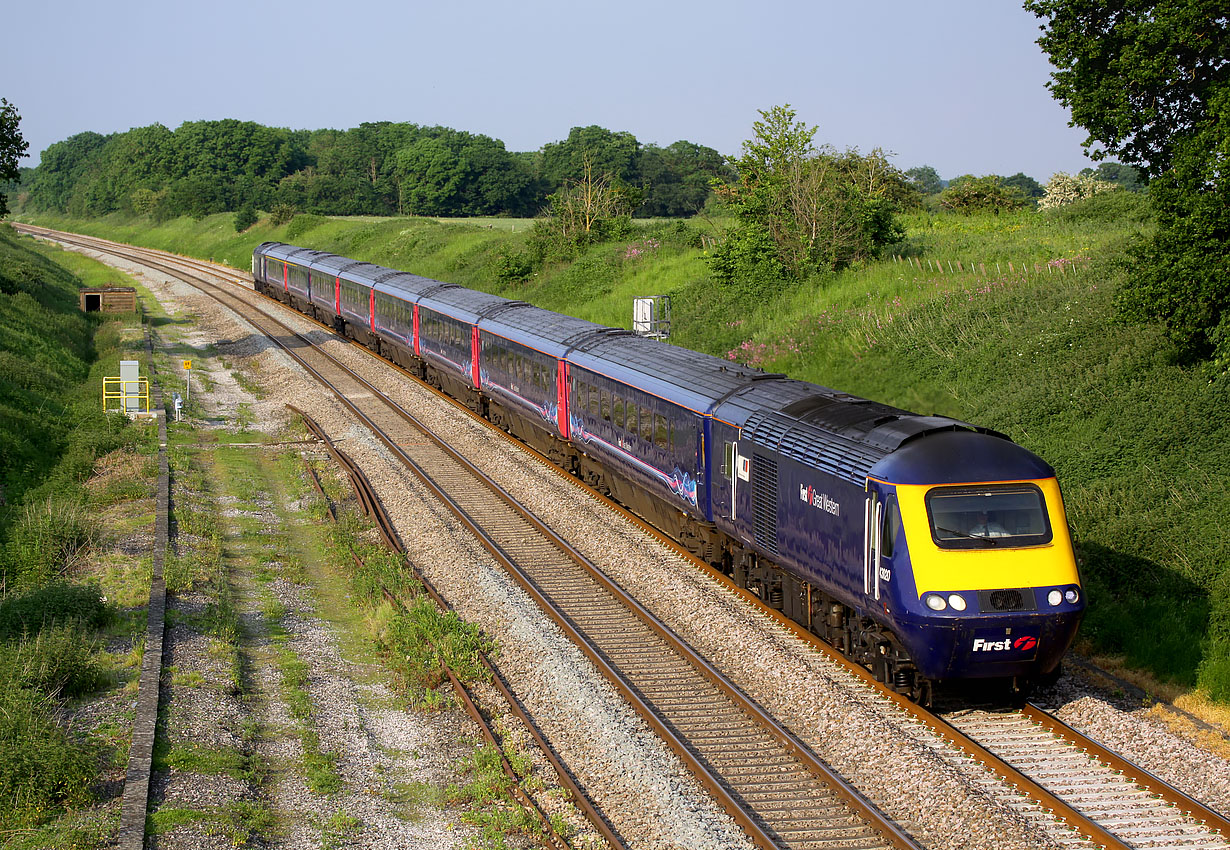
[
  {"x": 57, "y": 603},
  {"x": 57, "y": 661},
  {"x": 47, "y": 540},
  {"x": 1106, "y": 208},
  {"x": 41, "y": 767},
  {"x": 1063, "y": 189},
  {"x": 512, "y": 266},
  {"x": 981, "y": 194},
  {"x": 302, "y": 223},
  {"x": 245, "y": 218},
  {"x": 282, "y": 214}
]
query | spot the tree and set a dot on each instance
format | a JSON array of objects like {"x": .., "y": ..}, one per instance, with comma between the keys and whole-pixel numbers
[
  {"x": 12, "y": 148},
  {"x": 1029, "y": 187},
  {"x": 586, "y": 208},
  {"x": 1137, "y": 74},
  {"x": 1147, "y": 80},
  {"x": 968, "y": 194},
  {"x": 603, "y": 151},
  {"x": 801, "y": 210},
  {"x": 926, "y": 179},
  {"x": 1123, "y": 176}
]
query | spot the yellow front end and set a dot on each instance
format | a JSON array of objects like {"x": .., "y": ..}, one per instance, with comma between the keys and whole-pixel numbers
[{"x": 994, "y": 567}]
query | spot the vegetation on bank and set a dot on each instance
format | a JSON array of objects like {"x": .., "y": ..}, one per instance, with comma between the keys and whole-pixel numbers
[
  {"x": 53, "y": 618},
  {"x": 1006, "y": 320}
]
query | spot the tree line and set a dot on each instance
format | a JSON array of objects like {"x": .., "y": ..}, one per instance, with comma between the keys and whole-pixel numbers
[{"x": 380, "y": 168}]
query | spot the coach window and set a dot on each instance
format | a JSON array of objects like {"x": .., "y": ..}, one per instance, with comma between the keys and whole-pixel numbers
[
  {"x": 606, "y": 405},
  {"x": 617, "y": 407},
  {"x": 661, "y": 434},
  {"x": 632, "y": 419},
  {"x": 593, "y": 401},
  {"x": 646, "y": 424}
]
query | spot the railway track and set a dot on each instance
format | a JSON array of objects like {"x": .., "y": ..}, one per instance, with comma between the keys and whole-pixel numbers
[
  {"x": 765, "y": 778},
  {"x": 1096, "y": 796}
]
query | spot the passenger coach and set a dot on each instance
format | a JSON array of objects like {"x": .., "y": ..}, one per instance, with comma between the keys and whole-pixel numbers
[{"x": 928, "y": 549}]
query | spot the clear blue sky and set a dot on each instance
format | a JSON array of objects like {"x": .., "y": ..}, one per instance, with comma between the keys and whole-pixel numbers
[{"x": 956, "y": 85}]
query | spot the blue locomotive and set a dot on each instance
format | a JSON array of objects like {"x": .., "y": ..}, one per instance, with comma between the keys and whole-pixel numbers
[{"x": 925, "y": 548}]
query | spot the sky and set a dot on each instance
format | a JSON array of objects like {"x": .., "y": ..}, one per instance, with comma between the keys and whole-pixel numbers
[{"x": 959, "y": 85}]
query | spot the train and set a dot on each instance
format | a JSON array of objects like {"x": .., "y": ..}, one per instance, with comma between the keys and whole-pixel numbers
[{"x": 932, "y": 551}]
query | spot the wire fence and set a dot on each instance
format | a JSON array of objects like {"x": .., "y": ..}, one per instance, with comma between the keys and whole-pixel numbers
[{"x": 1061, "y": 265}]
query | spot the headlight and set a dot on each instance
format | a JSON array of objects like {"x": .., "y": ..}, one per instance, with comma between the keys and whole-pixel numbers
[
  {"x": 1054, "y": 597},
  {"x": 1072, "y": 595},
  {"x": 957, "y": 601},
  {"x": 936, "y": 603}
]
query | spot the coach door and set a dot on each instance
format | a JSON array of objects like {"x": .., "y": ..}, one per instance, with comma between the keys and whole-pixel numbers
[{"x": 873, "y": 521}]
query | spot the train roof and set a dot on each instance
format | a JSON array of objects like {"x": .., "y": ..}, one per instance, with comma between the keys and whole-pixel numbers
[
  {"x": 353, "y": 270},
  {"x": 552, "y": 333},
  {"x": 468, "y": 305},
  {"x": 406, "y": 286},
  {"x": 960, "y": 456},
  {"x": 857, "y": 438},
  {"x": 689, "y": 378},
  {"x": 291, "y": 253}
]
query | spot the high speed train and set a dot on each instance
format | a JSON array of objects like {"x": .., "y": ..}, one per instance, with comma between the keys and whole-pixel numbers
[{"x": 927, "y": 549}]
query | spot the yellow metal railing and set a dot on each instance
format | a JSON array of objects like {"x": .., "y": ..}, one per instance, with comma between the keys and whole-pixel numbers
[{"x": 132, "y": 395}]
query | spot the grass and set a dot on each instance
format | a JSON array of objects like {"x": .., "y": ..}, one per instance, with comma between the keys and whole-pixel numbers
[
  {"x": 239, "y": 822},
  {"x": 64, "y": 505}
]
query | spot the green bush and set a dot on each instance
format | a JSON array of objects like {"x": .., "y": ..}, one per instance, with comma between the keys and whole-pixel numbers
[
  {"x": 56, "y": 603},
  {"x": 47, "y": 540},
  {"x": 282, "y": 214},
  {"x": 1119, "y": 206},
  {"x": 245, "y": 218},
  {"x": 41, "y": 767},
  {"x": 301, "y": 224},
  {"x": 57, "y": 661}
]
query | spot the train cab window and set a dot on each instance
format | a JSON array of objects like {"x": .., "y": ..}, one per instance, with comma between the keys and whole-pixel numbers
[
  {"x": 728, "y": 460},
  {"x": 1011, "y": 515},
  {"x": 646, "y": 425},
  {"x": 661, "y": 435},
  {"x": 606, "y": 405},
  {"x": 890, "y": 529}
]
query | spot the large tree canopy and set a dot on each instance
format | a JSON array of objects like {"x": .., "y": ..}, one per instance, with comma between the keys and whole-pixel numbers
[
  {"x": 1150, "y": 81},
  {"x": 800, "y": 209},
  {"x": 379, "y": 168},
  {"x": 12, "y": 148},
  {"x": 1136, "y": 74}
]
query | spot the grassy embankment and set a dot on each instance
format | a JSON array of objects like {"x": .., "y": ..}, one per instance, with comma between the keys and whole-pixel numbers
[
  {"x": 1139, "y": 441},
  {"x": 74, "y": 482}
]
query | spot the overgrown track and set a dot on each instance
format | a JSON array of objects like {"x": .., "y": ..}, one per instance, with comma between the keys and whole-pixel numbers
[
  {"x": 769, "y": 781},
  {"x": 370, "y": 504},
  {"x": 1165, "y": 816}
]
